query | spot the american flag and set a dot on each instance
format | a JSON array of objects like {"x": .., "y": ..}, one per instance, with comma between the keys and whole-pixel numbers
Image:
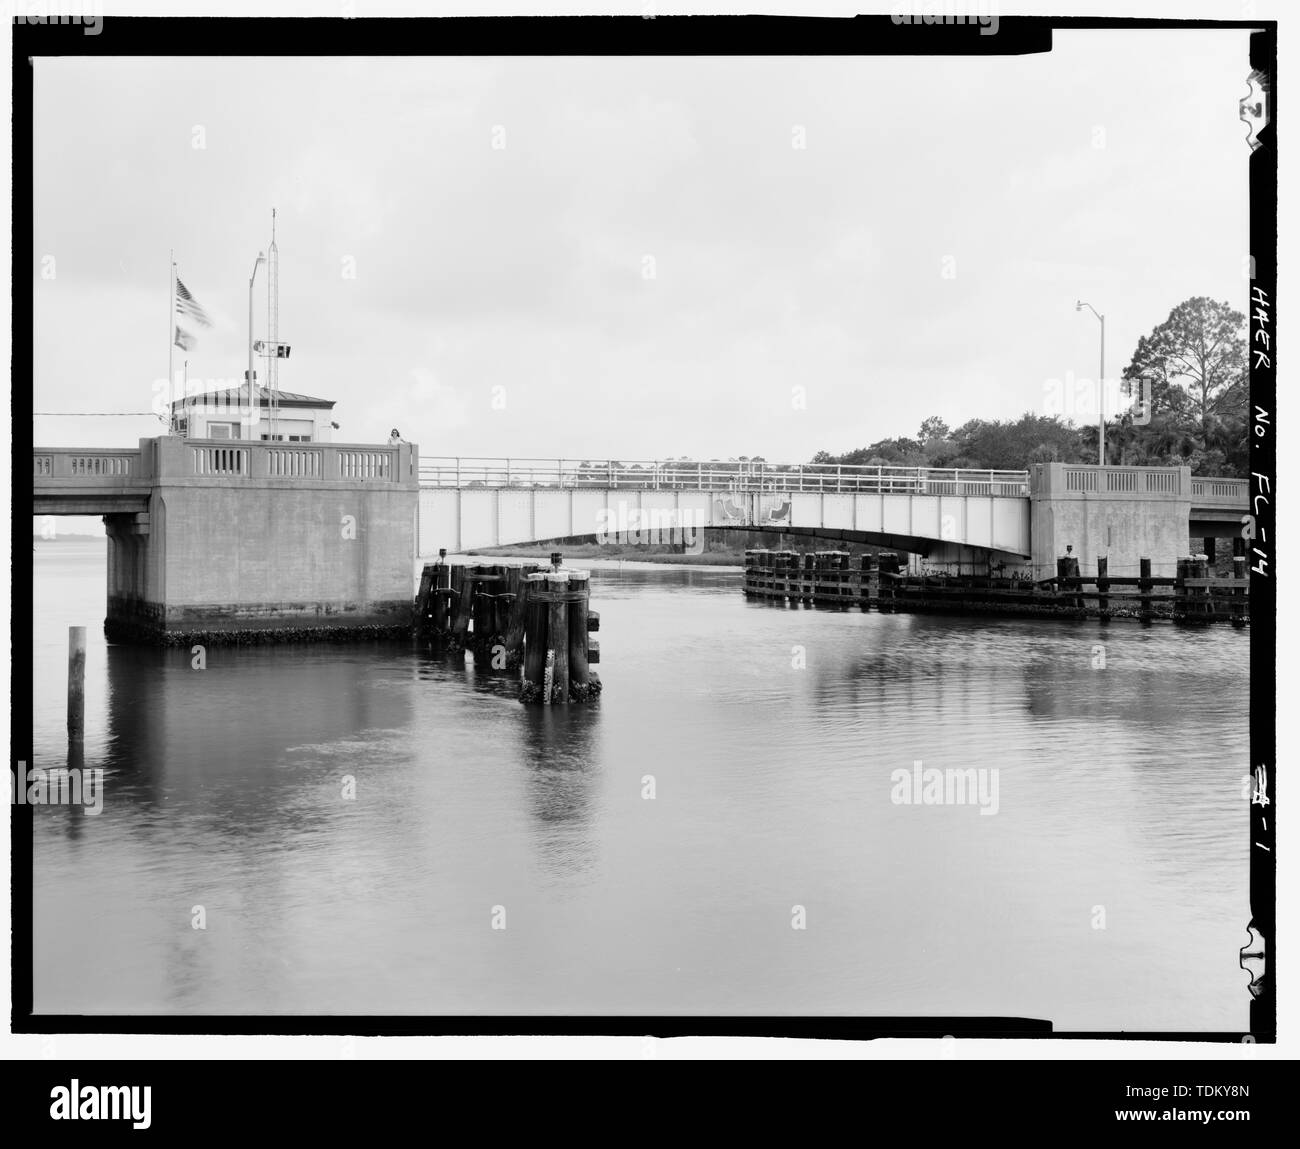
[{"x": 188, "y": 306}]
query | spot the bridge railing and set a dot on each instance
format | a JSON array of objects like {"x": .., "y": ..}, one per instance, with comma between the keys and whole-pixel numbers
[
  {"x": 223, "y": 458},
  {"x": 714, "y": 475},
  {"x": 1231, "y": 492},
  {"x": 1125, "y": 480},
  {"x": 84, "y": 463},
  {"x": 171, "y": 457},
  {"x": 1140, "y": 482}
]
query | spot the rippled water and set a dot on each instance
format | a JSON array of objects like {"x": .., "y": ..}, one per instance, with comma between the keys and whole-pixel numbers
[{"x": 769, "y": 735}]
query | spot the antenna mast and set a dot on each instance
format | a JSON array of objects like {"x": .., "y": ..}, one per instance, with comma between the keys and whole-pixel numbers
[{"x": 273, "y": 332}]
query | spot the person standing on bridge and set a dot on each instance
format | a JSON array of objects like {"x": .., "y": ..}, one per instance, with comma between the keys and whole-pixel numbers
[{"x": 395, "y": 437}]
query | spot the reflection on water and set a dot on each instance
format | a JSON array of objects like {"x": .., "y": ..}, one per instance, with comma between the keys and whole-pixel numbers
[{"x": 353, "y": 820}]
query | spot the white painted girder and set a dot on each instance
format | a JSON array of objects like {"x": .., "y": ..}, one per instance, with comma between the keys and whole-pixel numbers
[{"x": 471, "y": 517}]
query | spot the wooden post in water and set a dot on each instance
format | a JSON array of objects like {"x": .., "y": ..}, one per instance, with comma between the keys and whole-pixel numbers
[
  {"x": 1144, "y": 589},
  {"x": 1180, "y": 589},
  {"x": 518, "y": 615},
  {"x": 1239, "y": 591},
  {"x": 593, "y": 651},
  {"x": 1200, "y": 601},
  {"x": 455, "y": 580},
  {"x": 887, "y": 562},
  {"x": 441, "y": 600},
  {"x": 76, "y": 683},
  {"x": 464, "y": 606},
  {"x": 534, "y": 640},
  {"x": 1067, "y": 566},
  {"x": 424, "y": 600},
  {"x": 557, "y": 637},
  {"x": 482, "y": 607},
  {"x": 1103, "y": 585},
  {"x": 503, "y": 596},
  {"x": 865, "y": 566},
  {"x": 579, "y": 670},
  {"x": 819, "y": 576}
]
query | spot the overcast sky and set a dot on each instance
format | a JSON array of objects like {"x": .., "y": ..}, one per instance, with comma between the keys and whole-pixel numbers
[{"x": 648, "y": 267}]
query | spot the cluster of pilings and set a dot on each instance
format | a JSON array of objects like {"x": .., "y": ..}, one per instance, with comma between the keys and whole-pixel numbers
[
  {"x": 827, "y": 578},
  {"x": 831, "y": 578},
  {"x": 523, "y": 619}
]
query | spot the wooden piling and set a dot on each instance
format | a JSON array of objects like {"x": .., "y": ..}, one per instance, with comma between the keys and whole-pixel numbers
[
  {"x": 76, "y": 682},
  {"x": 518, "y": 614},
  {"x": 1239, "y": 591},
  {"x": 1180, "y": 589},
  {"x": 1144, "y": 589},
  {"x": 423, "y": 620},
  {"x": 533, "y": 689},
  {"x": 1199, "y": 600},
  {"x": 1103, "y": 585},
  {"x": 441, "y": 603},
  {"x": 463, "y": 608},
  {"x": 870, "y": 584},
  {"x": 579, "y": 669},
  {"x": 482, "y": 610},
  {"x": 506, "y": 590},
  {"x": 557, "y": 637},
  {"x": 819, "y": 576},
  {"x": 1067, "y": 567},
  {"x": 887, "y": 571}
]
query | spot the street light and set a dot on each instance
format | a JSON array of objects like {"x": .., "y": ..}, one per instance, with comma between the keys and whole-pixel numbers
[
  {"x": 1079, "y": 305},
  {"x": 252, "y": 396}
]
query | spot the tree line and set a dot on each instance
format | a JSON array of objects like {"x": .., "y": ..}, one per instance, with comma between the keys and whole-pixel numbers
[{"x": 1188, "y": 388}]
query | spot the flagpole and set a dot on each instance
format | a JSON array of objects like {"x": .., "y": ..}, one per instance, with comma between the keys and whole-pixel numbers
[{"x": 171, "y": 337}]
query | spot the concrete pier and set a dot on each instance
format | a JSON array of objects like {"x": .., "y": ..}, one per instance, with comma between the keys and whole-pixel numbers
[
  {"x": 1122, "y": 514},
  {"x": 245, "y": 541}
]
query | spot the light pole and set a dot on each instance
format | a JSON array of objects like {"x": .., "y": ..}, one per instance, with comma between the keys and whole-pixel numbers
[
  {"x": 252, "y": 395},
  {"x": 1079, "y": 305}
]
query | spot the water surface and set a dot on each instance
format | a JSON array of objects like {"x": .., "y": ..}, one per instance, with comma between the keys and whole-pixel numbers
[{"x": 768, "y": 735}]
